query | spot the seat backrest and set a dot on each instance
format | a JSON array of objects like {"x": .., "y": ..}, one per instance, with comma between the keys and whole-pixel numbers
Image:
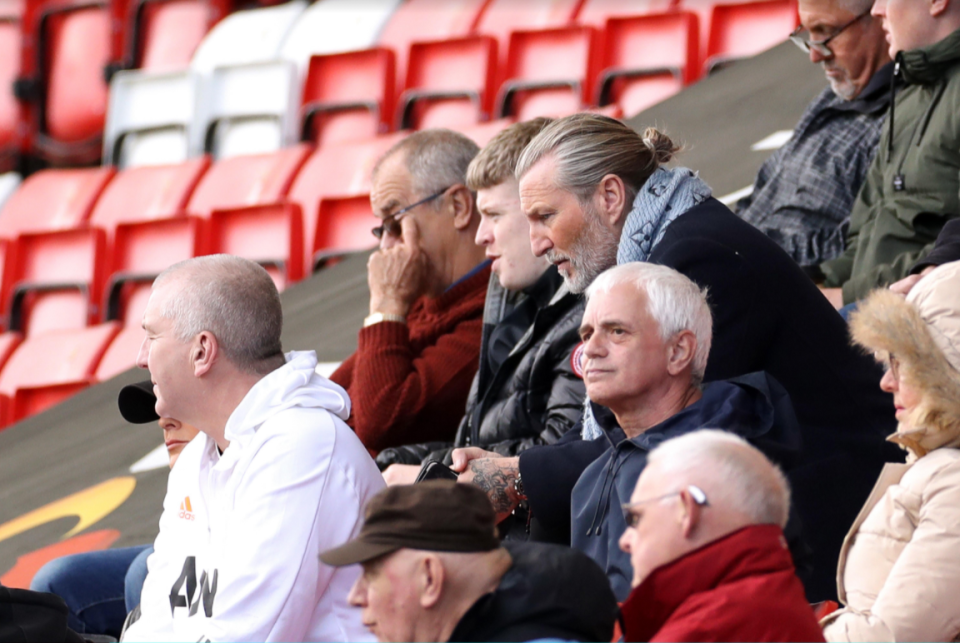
[
  {"x": 121, "y": 354},
  {"x": 596, "y": 12},
  {"x": 249, "y": 36},
  {"x": 249, "y": 109},
  {"x": 419, "y": 20},
  {"x": 170, "y": 32},
  {"x": 500, "y": 17},
  {"x": 53, "y": 200},
  {"x": 743, "y": 30},
  {"x": 668, "y": 41},
  {"x": 348, "y": 95},
  {"x": 57, "y": 357},
  {"x": 271, "y": 235},
  {"x": 338, "y": 169},
  {"x": 343, "y": 225},
  {"x": 151, "y": 118},
  {"x": 77, "y": 46},
  {"x": 145, "y": 193},
  {"x": 334, "y": 26},
  {"x": 247, "y": 180}
]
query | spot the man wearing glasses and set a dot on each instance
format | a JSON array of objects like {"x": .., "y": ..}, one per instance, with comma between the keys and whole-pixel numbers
[
  {"x": 417, "y": 351},
  {"x": 646, "y": 336},
  {"x": 803, "y": 193},
  {"x": 913, "y": 186},
  {"x": 705, "y": 539}
]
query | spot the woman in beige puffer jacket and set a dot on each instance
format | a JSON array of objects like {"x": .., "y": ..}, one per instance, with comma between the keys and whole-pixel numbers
[{"x": 899, "y": 569}]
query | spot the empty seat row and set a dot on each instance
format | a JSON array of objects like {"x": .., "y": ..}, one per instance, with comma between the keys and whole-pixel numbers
[{"x": 58, "y": 50}]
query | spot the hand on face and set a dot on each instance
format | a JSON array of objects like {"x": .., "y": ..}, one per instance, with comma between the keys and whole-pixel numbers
[{"x": 397, "y": 275}]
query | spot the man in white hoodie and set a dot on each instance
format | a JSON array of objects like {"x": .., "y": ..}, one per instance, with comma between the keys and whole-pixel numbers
[{"x": 274, "y": 478}]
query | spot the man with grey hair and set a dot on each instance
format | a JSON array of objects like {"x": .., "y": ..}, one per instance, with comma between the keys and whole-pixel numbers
[
  {"x": 274, "y": 477},
  {"x": 646, "y": 336},
  {"x": 803, "y": 193},
  {"x": 704, "y": 532},
  {"x": 589, "y": 175},
  {"x": 417, "y": 351}
]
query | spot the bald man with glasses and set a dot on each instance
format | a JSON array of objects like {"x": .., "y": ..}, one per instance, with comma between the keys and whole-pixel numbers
[
  {"x": 803, "y": 194},
  {"x": 418, "y": 349}
]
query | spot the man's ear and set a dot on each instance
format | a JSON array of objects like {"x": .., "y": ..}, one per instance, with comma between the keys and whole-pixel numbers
[
  {"x": 682, "y": 349},
  {"x": 203, "y": 353},
  {"x": 431, "y": 580},
  {"x": 938, "y": 7},
  {"x": 610, "y": 199},
  {"x": 464, "y": 208},
  {"x": 689, "y": 514}
]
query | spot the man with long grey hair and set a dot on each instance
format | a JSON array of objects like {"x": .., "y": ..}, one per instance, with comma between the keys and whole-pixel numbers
[{"x": 586, "y": 175}]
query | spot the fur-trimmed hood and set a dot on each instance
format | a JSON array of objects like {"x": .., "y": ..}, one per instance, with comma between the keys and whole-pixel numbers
[{"x": 923, "y": 333}]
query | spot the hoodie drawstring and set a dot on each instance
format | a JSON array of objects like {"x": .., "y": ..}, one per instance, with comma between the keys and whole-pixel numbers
[{"x": 893, "y": 101}]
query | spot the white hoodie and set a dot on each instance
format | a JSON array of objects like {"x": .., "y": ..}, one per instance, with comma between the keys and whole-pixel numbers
[{"x": 237, "y": 558}]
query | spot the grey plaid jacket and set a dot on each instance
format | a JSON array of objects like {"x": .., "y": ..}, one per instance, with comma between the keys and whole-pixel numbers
[{"x": 804, "y": 192}]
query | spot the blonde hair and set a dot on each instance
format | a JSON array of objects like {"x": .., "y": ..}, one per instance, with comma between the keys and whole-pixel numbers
[
  {"x": 497, "y": 161},
  {"x": 589, "y": 146}
]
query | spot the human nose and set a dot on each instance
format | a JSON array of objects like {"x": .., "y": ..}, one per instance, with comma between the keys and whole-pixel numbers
[
  {"x": 540, "y": 243},
  {"x": 817, "y": 56},
  {"x": 879, "y": 9},
  {"x": 357, "y": 595},
  {"x": 624, "y": 541},
  {"x": 142, "y": 354},
  {"x": 592, "y": 347},
  {"x": 484, "y": 233},
  {"x": 888, "y": 383}
]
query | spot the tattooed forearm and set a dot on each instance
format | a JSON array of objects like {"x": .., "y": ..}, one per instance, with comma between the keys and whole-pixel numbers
[{"x": 495, "y": 476}]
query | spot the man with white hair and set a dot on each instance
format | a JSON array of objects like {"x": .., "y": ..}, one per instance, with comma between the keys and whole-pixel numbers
[
  {"x": 274, "y": 477},
  {"x": 705, "y": 539},
  {"x": 646, "y": 336}
]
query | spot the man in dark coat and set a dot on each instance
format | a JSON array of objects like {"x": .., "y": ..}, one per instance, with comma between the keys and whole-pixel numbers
[
  {"x": 527, "y": 390},
  {"x": 595, "y": 195},
  {"x": 433, "y": 570}
]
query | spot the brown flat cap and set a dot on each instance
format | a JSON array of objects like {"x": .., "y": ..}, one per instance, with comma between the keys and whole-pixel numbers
[{"x": 436, "y": 515}]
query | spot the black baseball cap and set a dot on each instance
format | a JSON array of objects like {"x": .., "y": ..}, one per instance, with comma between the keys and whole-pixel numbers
[
  {"x": 138, "y": 403},
  {"x": 436, "y": 515}
]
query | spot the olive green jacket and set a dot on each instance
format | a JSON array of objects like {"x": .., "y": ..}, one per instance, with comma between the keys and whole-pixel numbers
[{"x": 913, "y": 186}]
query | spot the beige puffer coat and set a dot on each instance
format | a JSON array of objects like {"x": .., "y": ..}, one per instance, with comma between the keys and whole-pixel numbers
[{"x": 899, "y": 569}]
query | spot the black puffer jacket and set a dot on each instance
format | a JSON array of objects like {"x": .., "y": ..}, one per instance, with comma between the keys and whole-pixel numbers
[
  {"x": 526, "y": 392},
  {"x": 550, "y": 592}
]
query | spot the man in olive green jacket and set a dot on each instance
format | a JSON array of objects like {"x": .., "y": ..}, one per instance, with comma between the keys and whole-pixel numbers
[{"x": 913, "y": 187}]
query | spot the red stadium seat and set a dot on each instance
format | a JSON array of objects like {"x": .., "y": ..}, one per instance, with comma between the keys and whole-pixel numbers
[
  {"x": 501, "y": 17},
  {"x": 348, "y": 96},
  {"x": 121, "y": 355},
  {"x": 423, "y": 20},
  {"x": 241, "y": 181},
  {"x": 341, "y": 169},
  {"x": 548, "y": 72},
  {"x": 645, "y": 59},
  {"x": 44, "y": 370},
  {"x": 66, "y": 44},
  {"x": 596, "y": 12},
  {"x": 271, "y": 235},
  {"x": 450, "y": 83},
  {"x": 161, "y": 35},
  {"x": 53, "y": 200},
  {"x": 740, "y": 30},
  {"x": 343, "y": 225},
  {"x": 9, "y": 66}
]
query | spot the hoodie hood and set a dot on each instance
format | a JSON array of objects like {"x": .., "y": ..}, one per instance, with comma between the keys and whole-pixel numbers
[
  {"x": 295, "y": 384},
  {"x": 550, "y": 592},
  {"x": 923, "y": 333}
]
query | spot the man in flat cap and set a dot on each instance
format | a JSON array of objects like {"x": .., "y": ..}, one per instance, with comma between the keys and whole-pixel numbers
[{"x": 434, "y": 570}]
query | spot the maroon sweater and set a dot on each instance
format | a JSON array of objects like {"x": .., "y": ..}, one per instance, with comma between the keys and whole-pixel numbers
[{"x": 408, "y": 383}]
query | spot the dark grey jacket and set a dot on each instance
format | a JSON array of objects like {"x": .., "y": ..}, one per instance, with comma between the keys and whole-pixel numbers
[{"x": 522, "y": 396}]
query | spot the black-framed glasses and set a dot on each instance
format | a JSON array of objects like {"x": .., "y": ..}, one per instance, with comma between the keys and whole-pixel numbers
[
  {"x": 632, "y": 517},
  {"x": 801, "y": 38},
  {"x": 391, "y": 223}
]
